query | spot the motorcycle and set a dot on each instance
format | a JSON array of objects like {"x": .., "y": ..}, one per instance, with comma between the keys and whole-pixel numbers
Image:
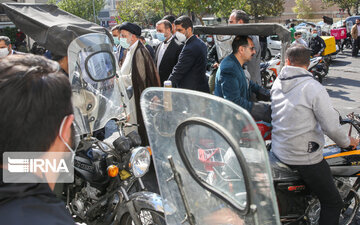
[
  {"x": 297, "y": 204},
  {"x": 217, "y": 175},
  {"x": 318, "y": 67},
  {"x": 108, "y": 186},
  {"x": 191, "y": 146},
  {"x": 269, "y": 71}
]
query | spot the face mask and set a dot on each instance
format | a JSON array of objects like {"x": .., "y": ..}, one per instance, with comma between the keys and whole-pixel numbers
[
  {"x": 4, "y": 52},
  {"x": 209, "y": 39},
  {"x": 75, "y": 139},
  {"x": 124, "y": 43},
  {"x": 116, "y": 40},
  {"x": 314, "y": 35},
  {"x": 180, "y": 36},
  {"x": 160, "y": 36}
]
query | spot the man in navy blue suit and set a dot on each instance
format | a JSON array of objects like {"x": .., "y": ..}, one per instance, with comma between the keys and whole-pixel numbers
[{"x": 189, "y": 71}]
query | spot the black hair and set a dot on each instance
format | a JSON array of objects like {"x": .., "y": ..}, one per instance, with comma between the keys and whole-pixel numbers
[
  {"x": 35, "y": 97},
  {"x": 184, "y": 21},
  {"x": 238, "y": 41},
  {"x": 292, "y": 25},
  {"x": 240, "y": 15},
  {"x": 5, "y": 39},
  {"x": 298, "y": 55},
  {"x": 297, "y": 33},
  {"x": 166, "y": 23},
  {"x": 169, "y": 18}
]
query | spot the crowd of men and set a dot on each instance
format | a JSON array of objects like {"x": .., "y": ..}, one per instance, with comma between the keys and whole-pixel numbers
[{"x": 181, "y": 57}]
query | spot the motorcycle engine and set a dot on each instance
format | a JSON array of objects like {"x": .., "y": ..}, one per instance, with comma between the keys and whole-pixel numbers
[
  {"x": 344, "y": 185},
  {"x": 313, "y": 210},
  {"x": 84, "y": 199},
  {"x": 312, "y": 213}
]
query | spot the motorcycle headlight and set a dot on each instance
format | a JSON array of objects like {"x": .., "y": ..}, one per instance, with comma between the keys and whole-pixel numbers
[{"x": 140, "y": 161}]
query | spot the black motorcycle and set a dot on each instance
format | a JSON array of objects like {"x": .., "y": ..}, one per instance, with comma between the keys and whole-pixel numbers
[{"x": 108, "y": 186}]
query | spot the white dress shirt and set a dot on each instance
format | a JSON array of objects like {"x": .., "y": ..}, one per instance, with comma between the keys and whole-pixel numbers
[{"x": 163, "y": 47}]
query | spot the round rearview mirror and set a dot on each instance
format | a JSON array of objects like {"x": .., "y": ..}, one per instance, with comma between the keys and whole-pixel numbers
[
  {"x": 214, "y": 160},
  {"x": 100, "y": 66}
]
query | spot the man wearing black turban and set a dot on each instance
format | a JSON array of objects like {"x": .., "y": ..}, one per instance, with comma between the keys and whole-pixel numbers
[{"x": 138, "y": 70}]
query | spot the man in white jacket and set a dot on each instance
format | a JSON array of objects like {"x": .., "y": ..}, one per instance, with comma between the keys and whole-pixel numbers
[{"x": 301, "y": 113}]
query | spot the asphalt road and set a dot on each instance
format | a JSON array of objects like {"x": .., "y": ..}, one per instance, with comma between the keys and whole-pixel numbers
[
  {"x": 343, "y": 83},
  {"x": 343, "y": 86}
]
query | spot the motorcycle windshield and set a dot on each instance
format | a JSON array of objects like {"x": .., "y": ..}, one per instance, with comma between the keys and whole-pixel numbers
[
  {"x": 219, "y": 153},
  {"x": 98, "y": 95}
]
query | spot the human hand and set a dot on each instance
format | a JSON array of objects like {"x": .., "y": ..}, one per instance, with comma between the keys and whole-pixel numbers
[
  {"x": 215, "y": 65},
  {"x": 155, "y": 102},
  {"x": 354, "y": 142}
]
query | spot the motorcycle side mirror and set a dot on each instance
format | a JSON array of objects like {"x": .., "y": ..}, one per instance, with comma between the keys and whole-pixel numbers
[
  {"x": 214, "y": 160},
  {"x": 130, "y": 92}
]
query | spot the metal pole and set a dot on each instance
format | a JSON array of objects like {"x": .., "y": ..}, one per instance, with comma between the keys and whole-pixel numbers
[{"x": 94, "y": 11}]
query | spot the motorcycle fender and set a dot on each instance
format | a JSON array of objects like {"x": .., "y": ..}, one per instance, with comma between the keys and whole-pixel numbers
[{"x": 141, "y": 200}]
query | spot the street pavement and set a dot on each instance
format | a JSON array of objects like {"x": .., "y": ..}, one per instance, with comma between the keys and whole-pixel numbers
[
  {"x": 343, "y": 86},
  {"x": 343, "y": 83}
]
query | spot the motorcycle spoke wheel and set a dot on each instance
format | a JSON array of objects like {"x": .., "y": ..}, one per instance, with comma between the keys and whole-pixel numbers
[{"x": 147, "y": 217}]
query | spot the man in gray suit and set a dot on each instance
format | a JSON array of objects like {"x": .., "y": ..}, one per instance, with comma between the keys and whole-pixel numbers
[{"x": 253, "y": 66}]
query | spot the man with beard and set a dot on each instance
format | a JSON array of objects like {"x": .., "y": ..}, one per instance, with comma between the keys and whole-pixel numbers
[
  {"x": 6, "y": 47},
  {"x": 138, "y": 71},
  {"x": 252, "y": 66},
  {"x": 232, "y": 84},
  {"x": 168, "y": 51},
  {"x": 189, "y": 71},
  {"x": 36, "y": 116}
]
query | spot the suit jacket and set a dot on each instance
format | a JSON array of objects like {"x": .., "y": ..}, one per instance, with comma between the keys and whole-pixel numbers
[
  {"x": 169, "y": 59},
  {"x": 189, "y": 71},
  {"x": 231, "y": 83},
  {"x": 151, "y": 51}
]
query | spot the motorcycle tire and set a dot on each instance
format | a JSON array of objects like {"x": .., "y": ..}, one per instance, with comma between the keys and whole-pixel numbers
[
  {"x": 147, "y": 217},
  {"x": 348, "y": 45},
  {"x": 318, "y": 77},
  {"x": 268, "y": 55},
  {"x": 266, "y": 80}
]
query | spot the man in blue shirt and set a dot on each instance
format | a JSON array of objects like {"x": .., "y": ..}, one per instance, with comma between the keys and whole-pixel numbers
[{"x": 232, "y": 84}]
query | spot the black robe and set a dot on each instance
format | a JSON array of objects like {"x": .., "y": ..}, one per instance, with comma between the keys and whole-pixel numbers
[{"x": 144, "y": 75}]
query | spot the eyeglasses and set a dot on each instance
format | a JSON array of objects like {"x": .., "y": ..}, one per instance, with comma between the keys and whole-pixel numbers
[{"x": 251, "y": 48}]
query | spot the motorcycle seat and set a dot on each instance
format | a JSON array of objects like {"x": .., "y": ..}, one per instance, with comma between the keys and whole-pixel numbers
[{"x": 281, "y": 171}]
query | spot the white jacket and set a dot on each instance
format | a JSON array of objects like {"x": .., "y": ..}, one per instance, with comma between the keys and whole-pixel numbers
[{"x": 301, "y": 113}]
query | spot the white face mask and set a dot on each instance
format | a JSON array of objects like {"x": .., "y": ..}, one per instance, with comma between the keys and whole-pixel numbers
[
  {"x": 62, "y": 139},
  {"x": 4, "y": 52},
  {"x": 180, "y": 36}
]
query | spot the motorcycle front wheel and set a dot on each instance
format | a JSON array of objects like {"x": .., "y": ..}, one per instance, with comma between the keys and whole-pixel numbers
[{"x": 147, "y": 217}]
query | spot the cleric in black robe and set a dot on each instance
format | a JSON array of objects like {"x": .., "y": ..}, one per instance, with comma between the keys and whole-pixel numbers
[{"x": 138, "y": 70}]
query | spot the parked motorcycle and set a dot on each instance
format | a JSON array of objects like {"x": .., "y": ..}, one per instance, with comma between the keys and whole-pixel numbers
[
  {"x": 107, "y": 188},
  {"x": 269, "y": 71},
  {"x": 217, "y": 175},
  {"x": 192, "y": 144}
]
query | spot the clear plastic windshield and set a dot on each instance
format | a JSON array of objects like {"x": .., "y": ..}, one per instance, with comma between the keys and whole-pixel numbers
[
  {"x": 211, "y": 156},
  {"x": 98, "y": 95},
  {"x": 223, "y": 45}
]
